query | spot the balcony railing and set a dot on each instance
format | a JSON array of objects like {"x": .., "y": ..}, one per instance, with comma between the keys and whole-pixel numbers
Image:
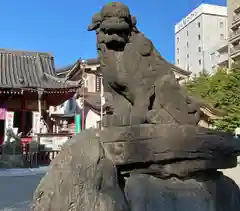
[
  {"x": 235, "y": 49},
  {"x": 235, "y": 34},
  {"x": 237, "y": 9},
  {"x": 236, "y": 18},
  {"x": 223, "y": 58}
]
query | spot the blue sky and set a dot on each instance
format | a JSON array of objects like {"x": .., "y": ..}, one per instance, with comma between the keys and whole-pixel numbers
[{"x": 60, "y": 26}]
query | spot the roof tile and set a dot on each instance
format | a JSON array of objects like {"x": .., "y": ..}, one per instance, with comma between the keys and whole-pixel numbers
[{"x": 19, "y": 69}]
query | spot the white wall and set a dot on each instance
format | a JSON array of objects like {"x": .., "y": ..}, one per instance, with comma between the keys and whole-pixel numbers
[
  {"x": 91, "y": 119},
  {"x": 91, "y": 82},
  {"x": 212, "y": 30}
]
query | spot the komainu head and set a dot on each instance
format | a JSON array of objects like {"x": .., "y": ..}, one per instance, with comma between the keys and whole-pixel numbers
[{"x": 113, "y": 24}]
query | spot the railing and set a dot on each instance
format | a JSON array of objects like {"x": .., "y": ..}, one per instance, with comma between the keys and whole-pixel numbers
[
  {"x": 237, "y": 9},
  {"x": 223, "y": 58},
  {"x": 40, "y": 159},
  {"x": 235, "y": 49},
  {"x": 35, "y": 158},
  {"x": 236, "y": 18},
  {"x": 235, "y": 33}
]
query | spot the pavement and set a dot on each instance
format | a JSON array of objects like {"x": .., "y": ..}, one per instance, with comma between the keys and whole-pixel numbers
[
  {"x": 17, "y": 187},
  {"x": 233, "y": 173}
]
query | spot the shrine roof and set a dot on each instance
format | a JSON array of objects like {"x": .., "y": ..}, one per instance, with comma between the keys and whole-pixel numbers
[
  {"x": 24, "y": 70},
  {"x": 77, "y": 66}
]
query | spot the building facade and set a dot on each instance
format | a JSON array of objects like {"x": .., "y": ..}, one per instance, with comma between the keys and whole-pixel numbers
[
  {"x": 91, "y": 68},
  {"x": 216, "y": 57},
  {"x": 92, "y": 84},
  {"x": 198, "y": 32},
  {"x": 234, "y": 30}
]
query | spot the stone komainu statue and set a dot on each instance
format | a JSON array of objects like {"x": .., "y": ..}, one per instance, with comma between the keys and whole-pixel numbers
[
  {"x": 141, "y": 81},
  {"x": 151, "y": 156}
]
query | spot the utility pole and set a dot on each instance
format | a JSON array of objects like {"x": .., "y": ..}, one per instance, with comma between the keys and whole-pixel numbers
[
  {"x": 84, "y": 78},
  {"x": 102, "y": 99}
]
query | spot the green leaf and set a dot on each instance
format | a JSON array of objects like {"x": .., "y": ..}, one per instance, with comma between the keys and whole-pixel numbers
[{"x": 222, "y": 91}]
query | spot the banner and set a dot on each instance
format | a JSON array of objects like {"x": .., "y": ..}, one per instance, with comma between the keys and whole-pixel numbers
[
  {"x": 3, "y": 112},
  {"x": 8, "y": 122},
  {"x": 78, "y": 123}
]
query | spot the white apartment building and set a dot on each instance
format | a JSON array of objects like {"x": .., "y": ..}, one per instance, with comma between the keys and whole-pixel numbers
[
  {"x": 216, "y": 57},
  {"x": 234, "y": 30},
  {"x": 196, "y": 34}
]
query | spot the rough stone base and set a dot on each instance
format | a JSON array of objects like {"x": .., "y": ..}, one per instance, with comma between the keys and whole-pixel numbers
[
  {"x": 86, "y": 176},
  {"x": 81, "y": 178},
  {"x": 217, "y": 193}
]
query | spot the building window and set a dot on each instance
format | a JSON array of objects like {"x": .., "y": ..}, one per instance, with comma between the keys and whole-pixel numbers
[
  {"x": 187, "y": 33},
  {"x": 177, "y": 61},
  {"x": 98, "y": 84},
  {"x": 187, "y": 45},
  {"x": 199, "y": 37},
  {"x": 199, "y": 61},
  {"x": 178, "y": 50},
  {"x": 198, "y": 24},
  {"x": 199, "y": 49},
  {"x": 187, "y": 55},
  {"x": 221, "y": 24},
  {"x": 177, "y": 39},
  {"x": 188, "y": 68},
  {"x": 221, "y": 36}
]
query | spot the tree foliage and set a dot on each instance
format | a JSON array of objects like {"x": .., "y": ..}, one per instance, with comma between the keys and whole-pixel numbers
[{"x": 222, "y": 91}]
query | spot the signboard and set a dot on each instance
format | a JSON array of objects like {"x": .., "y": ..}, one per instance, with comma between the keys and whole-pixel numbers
[
  {"x": 36, "y": 122},
  {"x": 187, "y": 19},
  {"x": 58, "y": 142},
  {"x": 8, "y": 122},
  {"x": 47, "y": 142},
  {"x": 53, "y": 142},
  {"x": 33, "y": 105},
  {"x": 26, "y": 140}
]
